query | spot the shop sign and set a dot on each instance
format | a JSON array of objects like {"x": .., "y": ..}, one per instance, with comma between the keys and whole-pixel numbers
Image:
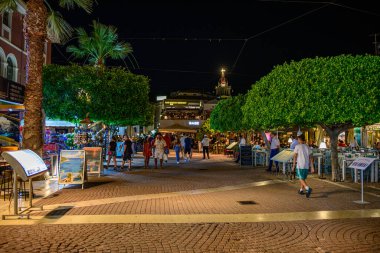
[
  {"x": 175, "y": 103},
  {"x": 193, "y": 123}
]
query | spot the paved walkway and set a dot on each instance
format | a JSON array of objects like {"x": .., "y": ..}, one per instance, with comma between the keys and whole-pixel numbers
[{"x": 194, "y": 207}]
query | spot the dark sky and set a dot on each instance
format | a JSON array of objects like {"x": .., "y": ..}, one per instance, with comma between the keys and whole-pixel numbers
[{"x": 173, "y": 63}]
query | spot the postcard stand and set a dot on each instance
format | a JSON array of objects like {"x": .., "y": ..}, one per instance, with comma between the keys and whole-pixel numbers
[
  {"x": 72, "y": 168},
  {"x": 25, "y": 164}
]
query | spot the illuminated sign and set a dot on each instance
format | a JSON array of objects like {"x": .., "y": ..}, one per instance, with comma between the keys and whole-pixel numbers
[
  {"x": 26, "y": 163},
  {"x": 175, "y": 103},
  {"x": 193, "y": 123}
]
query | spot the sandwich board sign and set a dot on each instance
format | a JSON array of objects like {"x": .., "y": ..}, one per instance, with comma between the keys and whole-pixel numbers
[
  {"x": 94, "y": 160},
  {"x": 72, "y": 167}
]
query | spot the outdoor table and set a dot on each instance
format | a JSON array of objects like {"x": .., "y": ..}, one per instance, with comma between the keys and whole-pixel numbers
[{"x": 263, "y": 153}]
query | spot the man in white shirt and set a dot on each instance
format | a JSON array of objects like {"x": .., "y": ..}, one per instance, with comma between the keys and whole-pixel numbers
[
  {"x": 205, "y": 143},
  {"x": 159, "y": 145},
  {"x": 274, "y": 150},
  {"x": 303, "y": 158}
]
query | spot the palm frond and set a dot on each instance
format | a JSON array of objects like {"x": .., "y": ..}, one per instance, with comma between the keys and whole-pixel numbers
[
  {"x": 101, "y": 44},
  {"x": 84, "y": 4},
  {"x": 58, "y": 30},
  {"x": 7, "y": 5}
]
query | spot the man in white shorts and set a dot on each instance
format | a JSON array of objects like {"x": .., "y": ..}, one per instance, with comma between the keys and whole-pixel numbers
[{"x": 159, "y": 145}]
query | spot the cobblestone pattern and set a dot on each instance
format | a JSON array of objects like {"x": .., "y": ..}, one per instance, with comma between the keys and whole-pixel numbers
[
  {"x": 170, "y": 179},
  {"x": 350, "y": 235},
  {"x": 274, "y": 198}
]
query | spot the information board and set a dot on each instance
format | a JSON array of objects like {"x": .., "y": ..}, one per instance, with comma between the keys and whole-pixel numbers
[
  {"x": 362, "y": 163},
  {"x": 245, "y": 155},
  {"x": 71, "y": 167},
  {"x": 26, "y": 163},
  {"x": 284, "y": 156},
  {"x": 94, "y": 159}
]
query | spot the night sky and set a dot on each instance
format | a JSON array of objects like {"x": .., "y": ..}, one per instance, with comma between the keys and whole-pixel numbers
[{"x": 177, "y": 54}]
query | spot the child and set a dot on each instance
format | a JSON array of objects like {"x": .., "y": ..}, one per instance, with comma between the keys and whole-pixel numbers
[
  {"x": 147, "y": 152},
  {"x": 303, "y": 157}
]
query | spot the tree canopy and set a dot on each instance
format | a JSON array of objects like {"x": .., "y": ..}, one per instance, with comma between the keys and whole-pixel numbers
[
  {"x": 330, "y": 91},
  {"x": 113, "y": 95},
  {"x": 227, "y": 114},
  {"x": 336, "y": 93}
]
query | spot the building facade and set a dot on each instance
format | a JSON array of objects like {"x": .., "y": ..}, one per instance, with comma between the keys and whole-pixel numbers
[{"x": 12, "y": 45}]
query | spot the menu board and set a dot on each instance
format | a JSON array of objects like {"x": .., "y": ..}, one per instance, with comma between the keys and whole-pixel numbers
[
  {"x": 245, "y": 155},
  {"x": 283, "y": 156},
  {"x": 26, "y": 163},
  {"x": 362, "y": 163},
  {"x": 94, "y": 159},
  {"x": 71, "y": 167}
]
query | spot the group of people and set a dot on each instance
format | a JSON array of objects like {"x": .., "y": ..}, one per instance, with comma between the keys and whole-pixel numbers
[{"x": 127, "y": 152}]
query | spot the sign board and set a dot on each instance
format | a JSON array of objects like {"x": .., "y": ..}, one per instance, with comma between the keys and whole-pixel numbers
[
  {"x": 232, "y": 145},
  {"x": 26, "y": 163},
  {"x": 361, "y": 163},
  {"x": 71, "y": 167},
  {"x": 11, "y": 91},
  {"x": 284, "y": 156},
  {"x": 245, "y": 155},
  {"x": 94, "y": 159}
]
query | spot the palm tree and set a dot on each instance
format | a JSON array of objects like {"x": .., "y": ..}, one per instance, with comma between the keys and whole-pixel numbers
[
  {"x": 101, "y": 44},
  {"x": 41, "y": 22}
]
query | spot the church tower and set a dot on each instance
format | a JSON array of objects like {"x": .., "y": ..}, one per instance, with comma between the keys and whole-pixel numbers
[{"x": 223, "y": 90}]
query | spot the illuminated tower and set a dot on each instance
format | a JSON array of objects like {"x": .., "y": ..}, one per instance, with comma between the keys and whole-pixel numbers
[{"x": 223, "y": 90}]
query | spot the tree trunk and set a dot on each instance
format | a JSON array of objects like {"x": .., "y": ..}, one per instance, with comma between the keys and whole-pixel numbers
[
  {"x": 334, "y": 152},
  {"x": 35, "y": 35}
]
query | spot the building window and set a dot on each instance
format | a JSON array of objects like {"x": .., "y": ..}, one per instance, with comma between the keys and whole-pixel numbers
[
  {"x": 10, "y": 70},
  {"x": 7, "y": 18}
]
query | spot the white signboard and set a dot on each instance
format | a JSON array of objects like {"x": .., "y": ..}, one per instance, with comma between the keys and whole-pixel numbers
[
  {"x": 26, "y": 163},
  {"x": 361, "y": 163},
  {"x": 194, "y": 123},
  {"x": 283, "y": 156}
]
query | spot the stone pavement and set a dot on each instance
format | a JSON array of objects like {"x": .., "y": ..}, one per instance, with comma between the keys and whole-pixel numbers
[{"x": 193, "y": 207}]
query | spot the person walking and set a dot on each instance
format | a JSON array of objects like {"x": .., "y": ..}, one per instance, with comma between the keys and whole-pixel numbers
[
  {"x": 205, "y": 144},
  {"x": 302, "y": 159},
  {"x": 187, "y": 149},
  {"x": 242, "y": 143},
  {"x": 159, "y": 146},
  {"x": 166, "y": 137},
  {"x": 147, "y": 151},
  {"x": 274, "y": 150},
  {"x": 127, "y": 153},
  {"x": 112, "y": 153},
  {"x": 182, "y": 140},
  {"x": 177, "y": 148}
]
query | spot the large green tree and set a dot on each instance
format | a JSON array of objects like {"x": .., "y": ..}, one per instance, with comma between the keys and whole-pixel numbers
[
  {"x": 227, "y": 114},
  {"x": 112, "y": 95},
  {"x": 41, "y": 22},
  {"x": 100, "y": 45},
  {"x": 336, "y": 93}
]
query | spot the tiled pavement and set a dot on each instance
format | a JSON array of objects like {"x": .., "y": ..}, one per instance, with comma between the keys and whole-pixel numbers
[{"x": 198, "y": 188}]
